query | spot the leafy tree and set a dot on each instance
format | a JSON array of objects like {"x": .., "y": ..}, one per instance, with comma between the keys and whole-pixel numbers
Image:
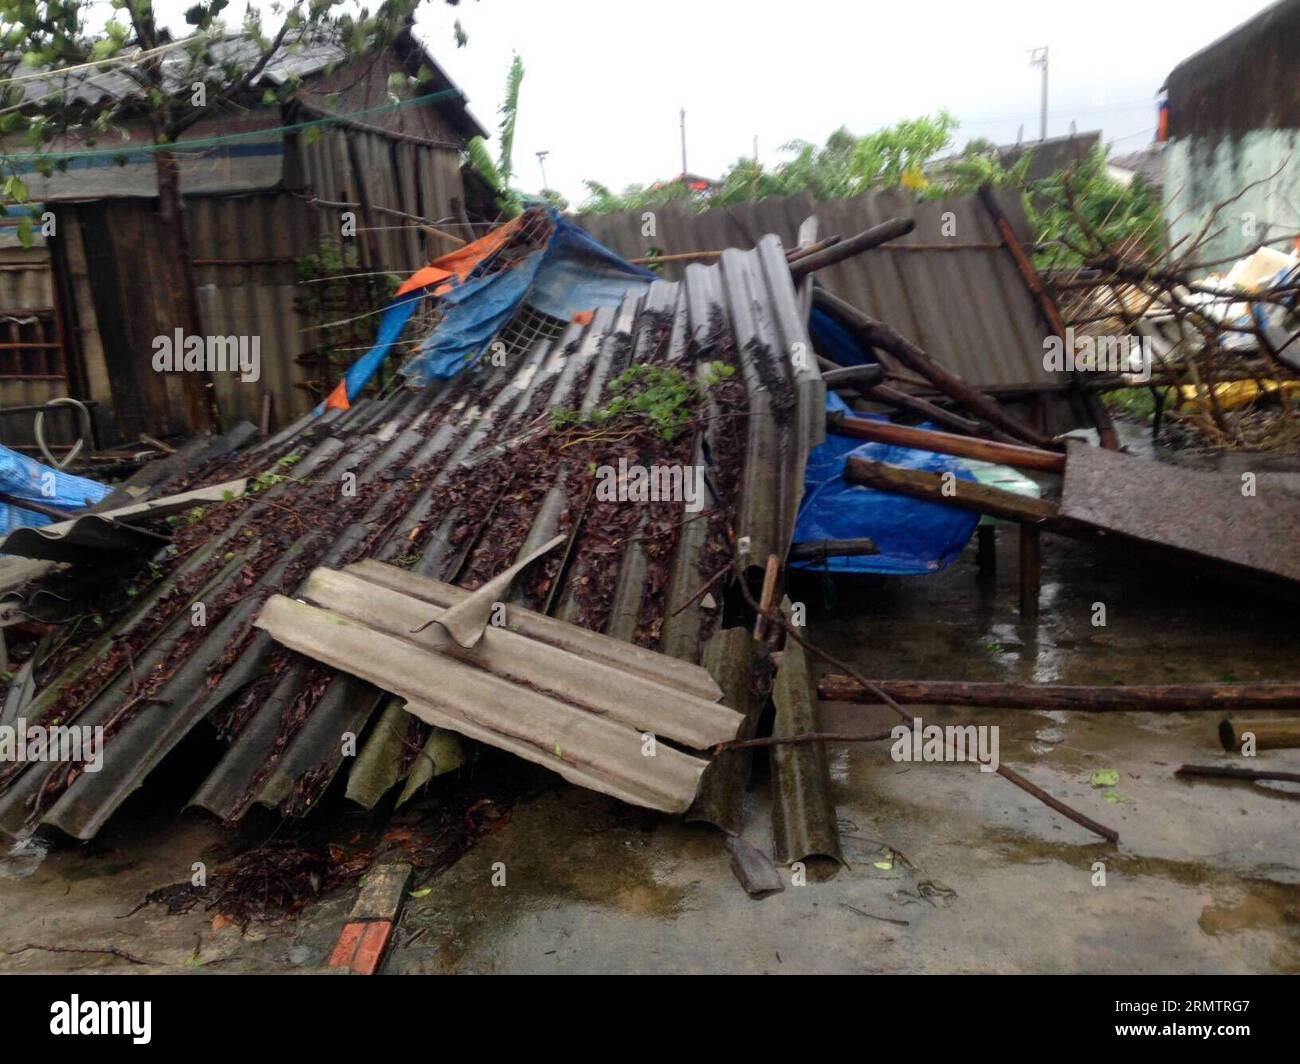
[
  {"x": 846, "y": 165},
  {"x": 499, "y": 172},
  {"x": 1125, "y": 216},
  {"x": 901, "y": 155}
]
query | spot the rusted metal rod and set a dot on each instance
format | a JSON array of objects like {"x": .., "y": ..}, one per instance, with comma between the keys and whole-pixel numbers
[
  {"x": 1130, "y": 698},
  {"x": 1109, "y": 834},
  {"x": 947, "y": 443},
  {"x": 1226, "y": 773},
  {"x": 854, "y": 245}
]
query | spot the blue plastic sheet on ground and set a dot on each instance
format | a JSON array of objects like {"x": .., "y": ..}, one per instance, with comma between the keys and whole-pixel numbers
[
  {"x": 912, "y": 536},
  {"x": 26, "y": 478}
]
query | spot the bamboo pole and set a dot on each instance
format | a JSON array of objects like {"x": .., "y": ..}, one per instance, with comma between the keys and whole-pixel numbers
[
  {"x": 1281, "y": 734},
  {"x": 874, "y": 333}
]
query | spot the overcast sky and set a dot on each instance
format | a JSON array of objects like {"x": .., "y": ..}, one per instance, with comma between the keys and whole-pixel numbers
[{"x": 605, "y": 79}]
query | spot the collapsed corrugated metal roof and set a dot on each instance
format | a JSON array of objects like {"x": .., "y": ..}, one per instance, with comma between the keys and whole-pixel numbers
[{"x": 452, "y": 482}]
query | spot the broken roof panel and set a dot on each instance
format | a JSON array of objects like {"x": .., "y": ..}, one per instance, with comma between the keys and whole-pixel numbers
[{"x": 452, "y": 482}]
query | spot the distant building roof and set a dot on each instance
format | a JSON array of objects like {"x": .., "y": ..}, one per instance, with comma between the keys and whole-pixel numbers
[
  {"x": 300, "y": 57},
  {"x": 1245, "y": 80},
  {"x": 1050, "y": 155},
  {"x": 1147, "y": 164}
]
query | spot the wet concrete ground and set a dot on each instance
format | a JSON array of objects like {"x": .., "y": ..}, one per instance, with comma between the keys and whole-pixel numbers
[{"x": 951, "y": 870}]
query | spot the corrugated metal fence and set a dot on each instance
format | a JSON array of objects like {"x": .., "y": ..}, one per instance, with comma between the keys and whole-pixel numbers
[{"x": 950, "y": 285}]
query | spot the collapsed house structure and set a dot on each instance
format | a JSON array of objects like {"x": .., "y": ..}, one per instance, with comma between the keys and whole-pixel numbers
[{"x": 279, "y": 617}]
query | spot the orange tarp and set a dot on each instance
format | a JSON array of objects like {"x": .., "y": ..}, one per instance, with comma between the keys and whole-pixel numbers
[{"x": 458, "y": 264}]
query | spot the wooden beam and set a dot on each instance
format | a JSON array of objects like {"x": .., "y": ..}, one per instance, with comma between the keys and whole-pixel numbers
[
  {"x": 854, "y": 245},
  {"x": 888, "y": 395},
  {"x": 874, "y": 333},
  {"x": 947, "y": 443},
  {"x": 1031, "y": 569},
  {"x": 953, "y": 491},
  {"x": 1130, "y": 698}
]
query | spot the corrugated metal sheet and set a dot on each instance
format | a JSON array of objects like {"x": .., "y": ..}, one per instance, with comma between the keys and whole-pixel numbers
[
  {"x": 246, "y": 248},
  {"x": 449, "y": 484},
  {"x": 966, "y": 306},
  {"x": 299, "y": 56},
  {"x": 581, "y": 717},
  {"x": 419, "y": 179}
]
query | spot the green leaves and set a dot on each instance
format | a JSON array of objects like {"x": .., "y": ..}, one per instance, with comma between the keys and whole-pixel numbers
[
  {"x": 15, "y": 189},
  {"x": 663, "y": 399}
]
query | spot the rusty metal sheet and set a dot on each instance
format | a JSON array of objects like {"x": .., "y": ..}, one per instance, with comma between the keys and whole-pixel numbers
[{"x": 1206, "y": 514}]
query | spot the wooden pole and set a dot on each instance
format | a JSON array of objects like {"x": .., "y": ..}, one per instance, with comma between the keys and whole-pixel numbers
[
  {"x": 986, "y": 552},
  {"x": 1031, "y": 568},
  {"x": 1281, "y": 734},
  {"x": 1047, "y": 306},
  {"x": 874, "y": 333},
  {"x": 888, "y": 395},
  {"x": 1223, "y": 772},
  {"x": 947, "y": 443},
  {"x": 820, "y": 549},
  {"x": 1130, "y": 698},
  {"x": 854, "y": 245},
  {"x": 950, "y": 490},
  {"x": 768, "y": 596}
]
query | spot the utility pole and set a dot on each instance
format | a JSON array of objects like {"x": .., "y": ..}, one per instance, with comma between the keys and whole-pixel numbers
[
  {"x": 541, "y": 162},
  {"x": 1038, "y": 58},
  {"x": 684, "y": 170}
]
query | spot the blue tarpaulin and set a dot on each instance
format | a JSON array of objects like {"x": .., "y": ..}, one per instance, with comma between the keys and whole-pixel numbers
[
  {"x": 390, "y": 328},
  {"x": 26, "y": 478},
  {"x": 912, "y": 536},
  {"x": 571, "y": 273}
]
